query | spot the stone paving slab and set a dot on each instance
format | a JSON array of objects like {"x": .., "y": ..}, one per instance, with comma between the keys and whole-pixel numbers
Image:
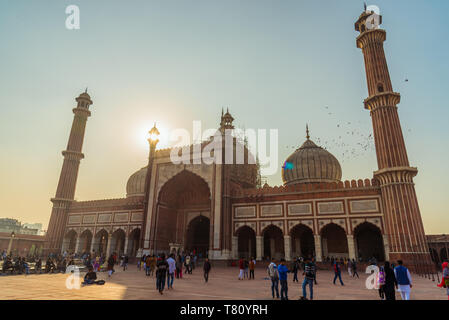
[{"x": 223, "y": 284}]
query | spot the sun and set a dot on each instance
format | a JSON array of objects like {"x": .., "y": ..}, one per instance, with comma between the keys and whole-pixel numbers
[{"x": 142, "y": 135}]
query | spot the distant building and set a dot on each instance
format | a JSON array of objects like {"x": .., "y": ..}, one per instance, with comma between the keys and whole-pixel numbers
[
  {"x": 8, "y": 225},
  {"x": 37, "y": 226}
]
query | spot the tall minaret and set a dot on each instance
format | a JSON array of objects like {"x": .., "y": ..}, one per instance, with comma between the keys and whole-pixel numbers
[
  {"x": 403, "y": 223},
  {"x": 65, "y": 192}
]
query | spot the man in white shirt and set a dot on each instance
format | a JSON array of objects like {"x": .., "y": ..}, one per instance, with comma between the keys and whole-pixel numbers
[{"x": 404, "y": 280}]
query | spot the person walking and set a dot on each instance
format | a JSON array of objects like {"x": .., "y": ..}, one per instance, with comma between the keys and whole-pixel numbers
[
  {"x": 111, "y": 263},
  {"x": 445, "y": 278},
  {"x": 309, "y": 277},
  {"x": 161, "y": 274},
  {"x": 188, "y": 265},
  {"x": 153, "y": 264},
  {"x": 273, "y": 273},
  {"x": 171, "y": 271},
  {"x": 354, "y": 269},
  {"x": 241, "y": 268},
  {"x": 404, "y": 280},
  {"x": 283, "y": 270},
  {"x": 245, "y": 272},
  {"x": 125, "y": 262},
  {"x": 295, "y": 269},
  {"x": 390, "y": 282},
  {"x": 314, "y": 270},
  {"x": 178, "y": 267},
  {"x": 252, "y": 265},
  {"x": 206, "y": 268},
  {"x": 381, "y": 282},
  {"x": 337, "y": 272},
  {"x": 147, "y": 265}
]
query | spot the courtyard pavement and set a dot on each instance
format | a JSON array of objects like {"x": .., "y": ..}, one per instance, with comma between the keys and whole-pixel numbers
[{"x": 223, "y": 284}]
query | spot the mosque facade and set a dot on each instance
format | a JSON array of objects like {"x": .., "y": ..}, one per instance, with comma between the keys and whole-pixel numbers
[{"x": 220, "y": 210}]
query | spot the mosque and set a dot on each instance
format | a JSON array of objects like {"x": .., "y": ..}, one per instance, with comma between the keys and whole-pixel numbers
[{"x": 222, "y": 211}]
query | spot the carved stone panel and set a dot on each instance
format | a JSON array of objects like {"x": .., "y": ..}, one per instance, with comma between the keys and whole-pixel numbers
[
  {"x": 245, "y": 212},
  {"x": 136, "y": 216},
  {"x": 121, "y": 217},
  {"x": 89, "y": 219},
  {"x": 271, "y": 210},
  {"x": 335, "y": 207},
  {"x": 298, "y": 209},
  {"x": 364, "y": 206},
  {"x": 104, "y": 217},
  {"x": 74, "y": 219}
]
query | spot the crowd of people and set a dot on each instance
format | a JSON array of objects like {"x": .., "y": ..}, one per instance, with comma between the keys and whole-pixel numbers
[
  {"x": 165, "y": 269},
  {"x": 23, "y": 265},
  {"x": 389, "y": 278}
]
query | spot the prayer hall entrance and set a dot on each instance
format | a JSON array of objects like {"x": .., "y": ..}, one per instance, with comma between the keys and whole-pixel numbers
[{"x": 183, "y": 215}]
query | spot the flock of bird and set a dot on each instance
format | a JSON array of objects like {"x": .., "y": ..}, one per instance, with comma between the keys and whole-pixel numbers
[{"x": 351, "y": 140}]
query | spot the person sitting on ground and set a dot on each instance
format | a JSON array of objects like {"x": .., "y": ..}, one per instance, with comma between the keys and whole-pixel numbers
[{"x": 90, "y": 276}]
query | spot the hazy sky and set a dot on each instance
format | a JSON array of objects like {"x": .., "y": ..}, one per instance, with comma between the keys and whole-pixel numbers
[{"x": 275, "y": 64}]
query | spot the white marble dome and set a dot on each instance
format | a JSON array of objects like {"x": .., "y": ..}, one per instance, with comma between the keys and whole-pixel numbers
[{"x": 311, "y": 164}]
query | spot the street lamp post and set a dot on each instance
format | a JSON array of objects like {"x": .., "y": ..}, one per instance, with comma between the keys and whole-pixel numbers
[
  {"x": 13, "y": 235},
  {"x": 153, "y": 139}
]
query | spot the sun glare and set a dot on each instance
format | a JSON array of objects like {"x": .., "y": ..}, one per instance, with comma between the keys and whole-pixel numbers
[{"x": 142, "y": 135}]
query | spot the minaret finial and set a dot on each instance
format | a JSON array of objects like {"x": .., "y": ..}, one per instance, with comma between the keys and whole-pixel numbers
[
  {"x": 307, "y": 132},
  {"x": 86, "y": 90},
  {"x": 364, "y": 6}
]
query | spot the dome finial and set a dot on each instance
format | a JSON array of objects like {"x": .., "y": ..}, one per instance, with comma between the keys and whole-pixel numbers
[{"x": 307, "y": 132}]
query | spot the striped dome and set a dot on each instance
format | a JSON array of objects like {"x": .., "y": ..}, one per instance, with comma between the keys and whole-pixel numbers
[
  {"x": 309, "y": 164},
  {"x": 136, "y": 183}
]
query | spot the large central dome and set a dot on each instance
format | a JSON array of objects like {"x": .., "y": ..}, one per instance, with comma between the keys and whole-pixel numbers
[{"x": 310, "y": 164}]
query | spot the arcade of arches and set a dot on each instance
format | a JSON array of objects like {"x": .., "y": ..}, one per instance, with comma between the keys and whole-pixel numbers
[
  {"x": 365, "y": 242},
  {"x": 183, "y": 215},
  {"x": 439, "y": 248},
  {"x": 103, "y": 242}
]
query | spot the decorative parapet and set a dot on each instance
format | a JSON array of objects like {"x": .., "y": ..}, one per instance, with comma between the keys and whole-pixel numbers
[
  {"x": 307, "y": 188},
  {"x": 107, "y": 203}
]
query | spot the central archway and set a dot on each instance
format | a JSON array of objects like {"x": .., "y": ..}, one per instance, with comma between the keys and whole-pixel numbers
[
  {"x": 69, "y": 242},
  {"x": 369, "y": 242},
  {"x": 246, "y": 243},
  {"x": 101, "y": 242},
  {"x": 85, "y": 241},
  {"x": 118, "y": 242},
  {"x": 303, "y": 243},
  {"x": 334, "y": 241},
  {"x": 273, "y": 242},
  {"x": 182, "y": 196},
  {"x": 197, "y": 236}
]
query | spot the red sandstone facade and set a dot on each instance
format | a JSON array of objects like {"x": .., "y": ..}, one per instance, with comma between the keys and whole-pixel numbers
[{"x": 219, "y": 211}]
